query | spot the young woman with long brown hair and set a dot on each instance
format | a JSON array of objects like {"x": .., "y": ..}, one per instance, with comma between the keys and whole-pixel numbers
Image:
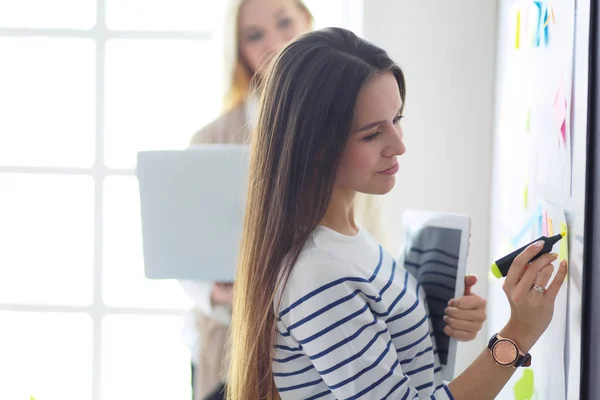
[{"x": 320, "y": 310}]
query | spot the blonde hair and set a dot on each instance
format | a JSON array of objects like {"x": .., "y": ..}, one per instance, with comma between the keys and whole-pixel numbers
[{"x": 237, "y": 72}]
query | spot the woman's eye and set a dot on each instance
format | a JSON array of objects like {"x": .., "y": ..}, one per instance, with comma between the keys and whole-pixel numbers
[
  {"x": 398, "y": 118},
  {"x": 284, "y": 23},
  {"x": 371, "y": 137},
  {"x": 254, "y": 37}
]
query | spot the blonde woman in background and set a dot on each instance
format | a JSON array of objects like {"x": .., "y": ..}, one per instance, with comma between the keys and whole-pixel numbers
[{"x": 255, "y": 30}]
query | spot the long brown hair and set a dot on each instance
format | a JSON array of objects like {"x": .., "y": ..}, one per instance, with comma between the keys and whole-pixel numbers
[
  {"x": 238, "y": 71},
  {"x": 307, "y": 109}
]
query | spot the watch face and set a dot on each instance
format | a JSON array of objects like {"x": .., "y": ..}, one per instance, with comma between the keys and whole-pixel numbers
[{"x": 505, "y": 352}]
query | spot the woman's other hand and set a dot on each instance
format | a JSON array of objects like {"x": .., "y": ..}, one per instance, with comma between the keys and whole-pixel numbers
[
  {"x": 222, "y": 293},
  {"x": 465, "y": 316}
]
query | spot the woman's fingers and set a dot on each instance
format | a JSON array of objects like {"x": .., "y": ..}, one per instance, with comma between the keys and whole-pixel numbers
[
  {"x": 461, "y": 335},
  {"x": 518, "y": 266},
  {"x": 544, "y": 276},
  {"x": 526, "y": 282},
  {"x": 558, "y": 281},
  {"x": 477, "y": 315},
  {"x": 462, "y": 325}
]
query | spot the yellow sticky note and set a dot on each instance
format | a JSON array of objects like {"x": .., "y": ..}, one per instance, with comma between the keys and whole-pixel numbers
[
  {"x": 550, "y": 227},
  {"x": 518, "y": 32},
  {"x": 526, "y": 196},
  {"x": 564, "y": 243},
  {"x": 528, "y": 120}
]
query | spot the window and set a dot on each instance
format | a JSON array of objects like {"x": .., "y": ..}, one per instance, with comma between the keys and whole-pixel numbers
[{"x": 85, "y": 85}]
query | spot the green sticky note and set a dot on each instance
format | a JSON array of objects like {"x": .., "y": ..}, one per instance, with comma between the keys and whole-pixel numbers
[{"x": 524, "y": 388}]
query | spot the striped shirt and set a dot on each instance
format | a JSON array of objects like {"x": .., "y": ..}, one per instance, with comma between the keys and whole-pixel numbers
[{"x": 353, "y": 324}]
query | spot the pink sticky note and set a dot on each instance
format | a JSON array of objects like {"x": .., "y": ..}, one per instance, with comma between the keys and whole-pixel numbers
[
  {"x": 560, "y": 111},
  {"x": 545, "y": 223}
]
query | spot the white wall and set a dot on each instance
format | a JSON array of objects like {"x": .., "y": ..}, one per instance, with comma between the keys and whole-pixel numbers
[{"x": 447, "y": 51}]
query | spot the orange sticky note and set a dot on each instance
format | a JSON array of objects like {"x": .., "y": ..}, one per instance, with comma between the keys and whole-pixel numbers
[{"x": 550, "y": 227}]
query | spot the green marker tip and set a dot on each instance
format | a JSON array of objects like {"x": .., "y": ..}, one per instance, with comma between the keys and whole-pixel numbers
[{"x": 496, "y": 271}]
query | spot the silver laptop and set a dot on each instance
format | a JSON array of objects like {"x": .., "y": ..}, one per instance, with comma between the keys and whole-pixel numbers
[{"x": 192, "y": 207}]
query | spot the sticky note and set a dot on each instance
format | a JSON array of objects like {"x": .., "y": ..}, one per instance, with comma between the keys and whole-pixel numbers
[
  {"x": 526, "y": 196},
  {"x": 525, "y": 386},
  {"x": 560, "y": 111},
  {"x": 564, "y": 243},
  {"x": 528, "y": 120},
  {"x": 550, "y": 227},
  {"x": 518, "y": 32},
  {"x": 545, "y": 223}
]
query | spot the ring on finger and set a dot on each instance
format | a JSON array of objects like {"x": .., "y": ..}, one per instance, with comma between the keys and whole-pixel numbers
[{"x": 538, "y": 288}]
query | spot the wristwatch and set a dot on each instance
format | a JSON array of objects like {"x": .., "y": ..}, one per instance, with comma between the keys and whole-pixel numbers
[{"x": 506, "y": 353}]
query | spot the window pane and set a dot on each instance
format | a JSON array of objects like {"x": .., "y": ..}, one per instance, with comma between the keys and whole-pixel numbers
[
  {"x": 143, "y": 358},
  {"x": 326, "y": 13},
  {"x": 175, "y": 15},
  {"x": 45, "y": 355},
  {"x": 74, "y": 14},
  {"x": 47, "y": 239},
  {"x": 158, "y": 94},
  {"x": 124, "y": 280},
  {"x": 47, "y": 98}
]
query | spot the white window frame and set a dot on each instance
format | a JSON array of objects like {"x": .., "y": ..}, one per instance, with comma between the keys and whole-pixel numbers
[{"x": 97, "y": 310}]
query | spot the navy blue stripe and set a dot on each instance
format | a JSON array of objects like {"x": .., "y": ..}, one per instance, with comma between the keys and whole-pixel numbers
[
  {"x": 345, "y": 299},
  {"x": 404, "y": 332},
  {"x": 365, "y": 370},
  {"x": 426, "y": 385},
  {"x": 402, "y": 314},
  {"x": 420, "y": 369},
  {"x": 355, "y": 356},
  {"x": 448, "y": 393},
  {"x": 343, "y": 342},
  {"x": 410, "y": 346},
  {"x": 375, "y": 384},
  {"x": 420, "y": 251},
  {"x": 285, "y": 334},
  {"x": 277, "y": 346},
  {"x": 317, "y": 396},
  {"x": 335, "y": 325},
  {"x": 324, "y": 309},
  {"x": 400, "y": 296},
  {"x": 439, "y": 387},
  {"x": 285, "y": 374},
  {"x": 300, "y": 386},
  {"x": 438, "y": 369},
  {"x": 396, "y": 386},
  {"x": 419, "y": 354},
  {"x": 284, "y": 360},
  {"x": 332, "y": 284}
]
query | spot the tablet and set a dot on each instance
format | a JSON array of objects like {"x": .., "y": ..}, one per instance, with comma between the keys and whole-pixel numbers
[
  {"x": 435, "y": 252},
  {"x": 192, "y": 207}
]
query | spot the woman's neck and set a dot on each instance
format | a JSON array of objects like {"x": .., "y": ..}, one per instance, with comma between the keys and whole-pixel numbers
[{"x": 340, "y": 213}]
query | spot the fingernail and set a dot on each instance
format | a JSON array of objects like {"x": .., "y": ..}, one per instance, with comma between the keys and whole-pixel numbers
[
  {"x": 446, "y": 310},
  {"x": 554, "y": 255},
  {"x": 445, "y": 318},
  {"x": 538, "y": 244},
  {"x": 451, "y": 302},
  {"x": 563, "y": 263}
]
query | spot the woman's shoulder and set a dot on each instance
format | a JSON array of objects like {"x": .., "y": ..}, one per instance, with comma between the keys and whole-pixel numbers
[{"x": 231, "y": 127}]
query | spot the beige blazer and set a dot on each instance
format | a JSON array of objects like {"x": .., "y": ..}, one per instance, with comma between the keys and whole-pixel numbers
[{"x": 213, "y": 360}]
